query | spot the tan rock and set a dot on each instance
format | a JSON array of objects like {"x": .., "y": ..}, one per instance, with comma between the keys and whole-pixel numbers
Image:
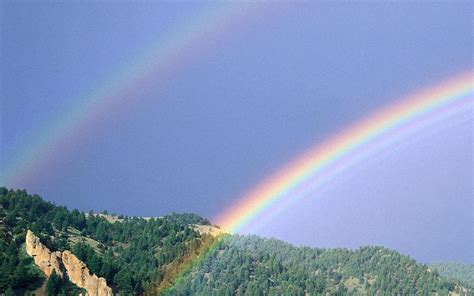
[
  {"x": 46, "y": 260},
  {"x": 209, "y": 229},
  {"x": 75, "y": 269},
  {"x": 80, "y": 275}
]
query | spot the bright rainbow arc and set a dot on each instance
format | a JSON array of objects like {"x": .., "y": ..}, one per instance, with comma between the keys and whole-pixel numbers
[
  {"x": 163, "y": 59},
  {"x": 280, "y": 187}
]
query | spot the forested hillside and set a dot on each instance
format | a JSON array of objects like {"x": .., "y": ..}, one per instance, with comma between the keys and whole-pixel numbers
[
  {"x": 169, "y": 256},
  {"x": 128, "y": 254},
  {"x": 249, "y": 265},
  {"x": 455, "y": 270}
]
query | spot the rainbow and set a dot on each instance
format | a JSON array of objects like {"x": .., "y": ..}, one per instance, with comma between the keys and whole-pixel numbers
[
  {"x": 353, "y": 144},
  {"x": 93, "y": 111},
  {"x": 321, "y": 163}
]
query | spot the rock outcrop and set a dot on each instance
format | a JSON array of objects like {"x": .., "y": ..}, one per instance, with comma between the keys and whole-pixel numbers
[
  {"x": 66, "y": 264},
  {"x": 46, "y": 260},
  {"x": 80, "y": 275},
  {"x": 209, "y": 229}
]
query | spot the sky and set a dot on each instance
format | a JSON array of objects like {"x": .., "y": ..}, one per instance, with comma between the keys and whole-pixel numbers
[{"x": 235, "y": 104}]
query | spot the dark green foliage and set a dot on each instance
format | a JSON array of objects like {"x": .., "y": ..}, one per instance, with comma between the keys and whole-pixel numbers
[
  {"x": 9, "y": 292},
  {"x": 123, "y": 279},
  {"x": 130, "y": 252},
  {"x": 250, "y": 265},
  {"x": 53, "y": 284},
  {"x": 460, "y": 271},
  {"x": 187, "y": 218},
  {"x": 142, "y": 256},
  {"x": 17, "y": 271}
]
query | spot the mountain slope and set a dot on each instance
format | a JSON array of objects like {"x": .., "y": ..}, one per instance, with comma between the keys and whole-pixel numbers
[
  {"x": 128, "y": 254},
  {"x": 249, "y": 265},
  {"x": 180, "y": 254},
  {"x": 460, "y": 271}
]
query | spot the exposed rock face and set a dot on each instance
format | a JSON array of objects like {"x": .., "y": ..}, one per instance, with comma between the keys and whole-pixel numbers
[
  {"x": 209, "y": 229},
  {"x": 80, "y": 275},
  {"x": 75, "y": 269},
  {"x": 46, "y": 260}
]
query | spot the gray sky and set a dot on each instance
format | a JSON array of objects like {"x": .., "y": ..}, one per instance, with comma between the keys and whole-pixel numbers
[{"x": 268, "y": 88}]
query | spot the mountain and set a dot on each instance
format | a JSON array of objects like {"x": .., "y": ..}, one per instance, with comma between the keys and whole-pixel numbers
[
  {"x": 460, "y": 271},
  {"x": 47, "y": 249}
]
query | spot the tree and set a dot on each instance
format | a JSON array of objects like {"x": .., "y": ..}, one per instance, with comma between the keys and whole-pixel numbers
[
  {"x": 5, "y": 279},
  {"x": 9, "y": 292},
  {"x": 53, "y": 285},
  {"x": 94, "y": 263},
  {"x": 21, "y": 277},
  {"x": 123, "y": 279}
]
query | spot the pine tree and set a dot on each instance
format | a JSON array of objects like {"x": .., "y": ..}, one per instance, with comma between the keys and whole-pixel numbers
[
  {"x": 9, "y": 292},
  {"x": 53, "y": 285}
]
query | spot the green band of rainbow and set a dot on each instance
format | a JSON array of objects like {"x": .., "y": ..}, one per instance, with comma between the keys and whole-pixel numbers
[
  {"x": 280, "y": 188},
  {"x": 107, "y": 101},
  {"x": 311, "y": 169}
]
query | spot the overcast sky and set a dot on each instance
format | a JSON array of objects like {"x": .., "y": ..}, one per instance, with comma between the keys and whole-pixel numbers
[{"x": 278, "y": 81}]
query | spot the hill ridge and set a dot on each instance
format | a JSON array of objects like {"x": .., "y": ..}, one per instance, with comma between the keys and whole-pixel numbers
[{"x": 144, "y": 256}]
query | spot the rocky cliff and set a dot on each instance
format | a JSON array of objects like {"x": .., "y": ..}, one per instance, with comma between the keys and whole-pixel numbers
[
  {"x": 80, "y": 275},
  {"x": 66, "y": 264},
  {"x": 46, "y": 260}
]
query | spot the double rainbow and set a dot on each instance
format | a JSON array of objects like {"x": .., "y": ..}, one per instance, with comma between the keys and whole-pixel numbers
[
  {"x": 353, "y": 144},
  {"x": 289, "y": 184},
  {"x": 319, "y": 164}
]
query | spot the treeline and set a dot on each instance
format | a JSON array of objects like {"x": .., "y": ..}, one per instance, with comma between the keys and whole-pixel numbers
[
  {"x": 128, "y": 255},
  {"x": 168, "y": 256},
  {"x": 17, "y": 270},
  {"x": 249, "y": 265},
  {"x": 455, "y": 270}
]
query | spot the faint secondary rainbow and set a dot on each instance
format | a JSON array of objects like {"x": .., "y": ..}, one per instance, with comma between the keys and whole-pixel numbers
[
  {"x": 323, "y": 159},
  {"x": 91, "y": 111},
  {"x": 330, "y": 157}
]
